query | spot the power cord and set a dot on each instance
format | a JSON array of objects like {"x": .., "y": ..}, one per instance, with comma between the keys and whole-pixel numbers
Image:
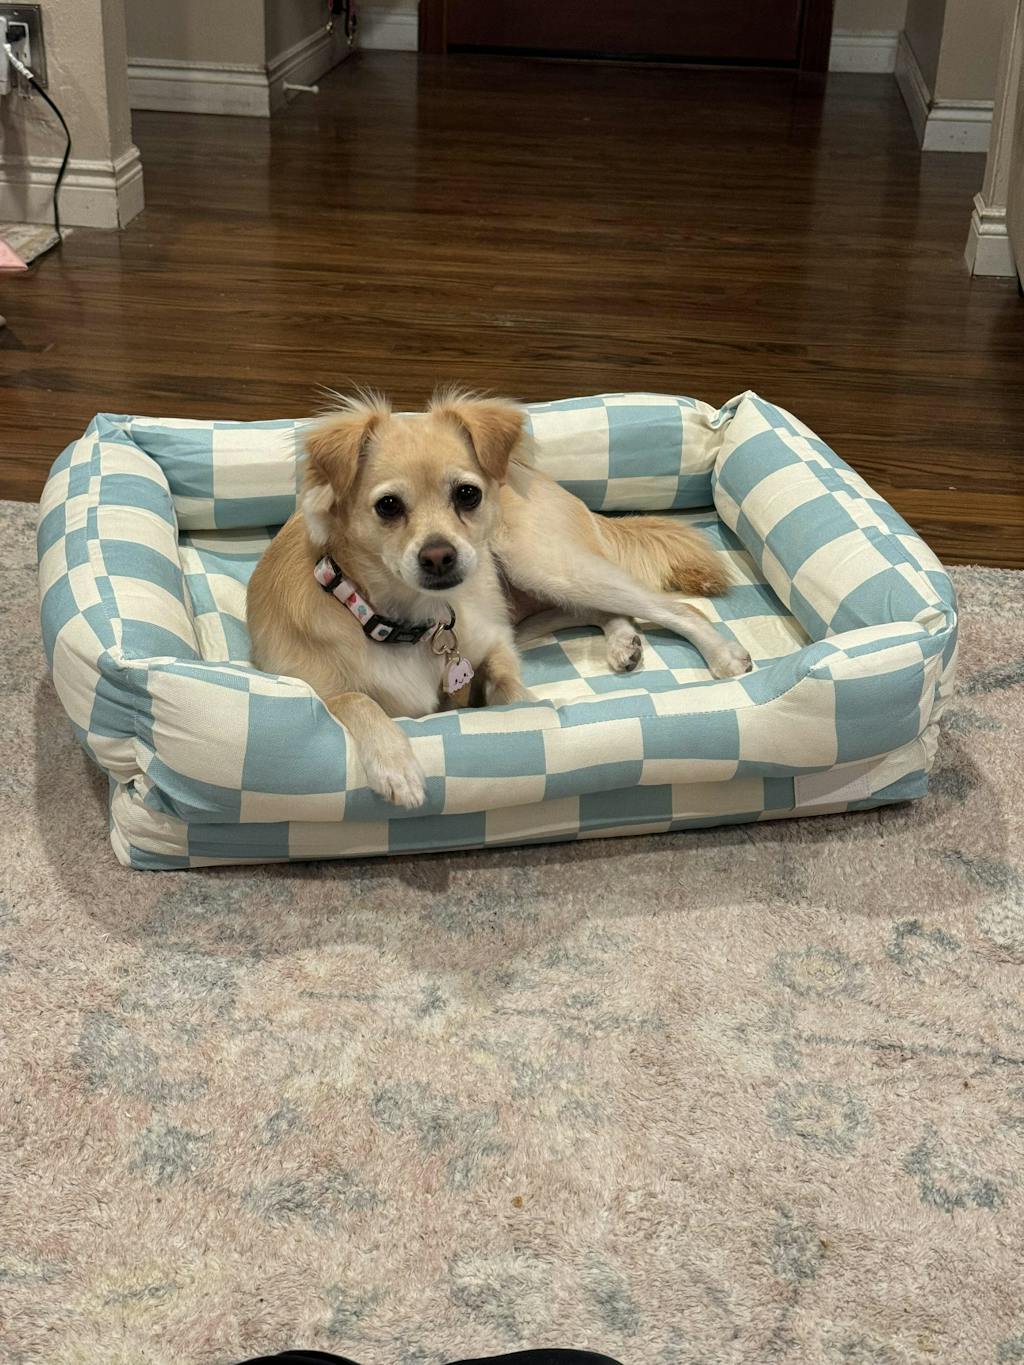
[{"x": 29, "y": 76}]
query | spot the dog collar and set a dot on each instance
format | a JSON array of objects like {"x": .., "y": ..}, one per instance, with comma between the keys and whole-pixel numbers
[{"x": 375, "y": 627}]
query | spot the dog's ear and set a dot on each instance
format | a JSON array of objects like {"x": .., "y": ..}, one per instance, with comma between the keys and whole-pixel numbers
[
  {"x": 334, "y": 445},
  {"x": 494, "y": 427}
]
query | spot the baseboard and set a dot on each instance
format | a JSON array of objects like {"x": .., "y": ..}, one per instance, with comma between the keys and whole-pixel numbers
[
  {"x": 940, "y": 125},
  {"x": 198, "y": 88},
  {"x": 988, "y": 242},
  {"x": 246, "y": 91},
  {"x": 958, "y": 126},
  {"x": 304, "y": 63},
  {"x": 100, "y": 194},
  {"x": 390, "y": 25},
  {"x": 913, "y": 87},
  {"x": 871, "y": 52}
]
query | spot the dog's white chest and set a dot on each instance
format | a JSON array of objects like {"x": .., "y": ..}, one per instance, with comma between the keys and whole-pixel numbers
[{"x": 405, "y": 679}]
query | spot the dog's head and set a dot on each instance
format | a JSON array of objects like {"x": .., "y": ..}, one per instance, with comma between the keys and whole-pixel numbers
[{"x": 417, "y": 492}]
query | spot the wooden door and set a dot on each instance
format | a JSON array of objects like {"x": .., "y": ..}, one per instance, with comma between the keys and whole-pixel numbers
[{"x": 787, "y": 33}]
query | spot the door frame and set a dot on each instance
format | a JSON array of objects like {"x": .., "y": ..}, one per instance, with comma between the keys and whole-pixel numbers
[{"x": 815, "y": 33}]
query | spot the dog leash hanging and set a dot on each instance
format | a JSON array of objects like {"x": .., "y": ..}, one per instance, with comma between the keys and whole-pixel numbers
[{"x": 458, "y": 672}]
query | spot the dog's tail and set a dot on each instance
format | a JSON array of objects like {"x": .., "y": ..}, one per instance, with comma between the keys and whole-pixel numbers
[{"x": 665, "y": 554}]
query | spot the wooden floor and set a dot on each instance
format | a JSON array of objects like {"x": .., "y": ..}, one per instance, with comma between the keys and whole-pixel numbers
[{"x": 544, "y": 230}]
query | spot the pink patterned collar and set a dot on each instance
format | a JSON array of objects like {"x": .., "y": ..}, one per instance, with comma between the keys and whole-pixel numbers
[{"x": 380, "y": 628}]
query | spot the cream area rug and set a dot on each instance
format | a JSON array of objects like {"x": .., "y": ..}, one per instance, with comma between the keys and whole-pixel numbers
[{"x": 735, "y": 1097}]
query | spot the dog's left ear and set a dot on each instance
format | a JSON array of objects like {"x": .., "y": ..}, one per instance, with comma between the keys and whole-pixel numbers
[{"x": 494, "y": 427}]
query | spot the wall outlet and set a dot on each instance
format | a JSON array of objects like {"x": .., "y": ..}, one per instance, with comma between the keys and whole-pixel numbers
[{"x": 31, "y": 50}]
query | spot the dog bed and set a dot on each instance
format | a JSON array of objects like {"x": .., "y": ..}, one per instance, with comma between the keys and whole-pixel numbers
[{"x": 150, "y": 529}]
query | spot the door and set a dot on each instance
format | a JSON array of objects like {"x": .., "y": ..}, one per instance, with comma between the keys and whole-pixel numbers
[{"x": 793, "y": 33}]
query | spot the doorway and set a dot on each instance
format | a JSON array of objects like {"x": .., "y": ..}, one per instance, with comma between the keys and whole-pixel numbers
[{"x": 779, "y": 33}]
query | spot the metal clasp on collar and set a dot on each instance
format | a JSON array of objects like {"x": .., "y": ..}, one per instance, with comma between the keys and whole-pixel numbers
[
  {"x": 458, "y": 672},
  {"x": 437, "y": 641}
]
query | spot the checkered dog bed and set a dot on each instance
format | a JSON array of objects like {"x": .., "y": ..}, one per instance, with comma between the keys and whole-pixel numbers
[{"x": 149, "y": 531}]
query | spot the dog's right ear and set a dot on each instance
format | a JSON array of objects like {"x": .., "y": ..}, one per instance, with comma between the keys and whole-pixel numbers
[{"x": 334, "y": 445}]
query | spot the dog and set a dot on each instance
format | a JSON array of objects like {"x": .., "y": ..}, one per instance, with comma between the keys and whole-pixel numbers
[{"x": 421, "y": 541}]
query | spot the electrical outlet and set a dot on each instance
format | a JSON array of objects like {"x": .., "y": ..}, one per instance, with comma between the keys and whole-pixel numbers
[{"x": 31, "y": 50}]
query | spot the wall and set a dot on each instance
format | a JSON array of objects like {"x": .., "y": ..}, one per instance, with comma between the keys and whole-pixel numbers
[
  {"x": 865, "y": 35},
  {"x": 1015, "y": 155},
  {"x": 290, "y": 22},
  {"x": 390, "y": 24},
  {"x": 86, "y": 70},
  {"x": 956, "y": 44},
  {"x": 995, "y": 241},
  {"x": 869, "y": 16},
  {"x": 946, "y": 68},
  {"x": 226, "y": 56},
  {"x": 925, "y": 20},
  {"x": 214, "y": 32},
  {"x": 971, "y": 40}
]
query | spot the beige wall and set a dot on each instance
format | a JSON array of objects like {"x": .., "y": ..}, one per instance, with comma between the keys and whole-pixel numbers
[
  {"x": 925, "y": 20},
  {"x": 85, "y": 62},
  {"x": 86, "y": 67},
  {"x": 220, "y": 32},
  {"x": 957, "y": 43},
  {"x": 971, "y": 40},
  {"x": 290, "y": 21},
  {"x": 870, "y": 16},
  {"x": 995, "y": 242},
  {"x": 212, "y": 32},
  {"x": 1015, "y": 168}
]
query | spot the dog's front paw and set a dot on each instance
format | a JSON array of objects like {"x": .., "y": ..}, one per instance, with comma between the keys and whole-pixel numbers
[
  {"x": 393, "y": 772},
  {"x": 730, "y": 661},
  {"x": 506, "y": 693}
]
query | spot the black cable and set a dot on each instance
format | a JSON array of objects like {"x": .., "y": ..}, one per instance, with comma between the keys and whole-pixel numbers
[
  {"x": 63, "y": 165},
  {"x": 26, "y": 73}
]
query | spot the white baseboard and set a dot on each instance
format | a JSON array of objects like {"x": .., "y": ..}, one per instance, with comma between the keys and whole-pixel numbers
[
  {"x": 940, "y": 125},
  {"x": 198, "y": 88},
  {"x": 100, "y": 194},
  {"x": 958, "y": 126},
  {"x": 391, "y": 25},
  {"x": 988, "y": 242},
  {"x": 248, "y": 91},
  {"x": 871, "y": 52},
  {"x": 304, "y": 63}
]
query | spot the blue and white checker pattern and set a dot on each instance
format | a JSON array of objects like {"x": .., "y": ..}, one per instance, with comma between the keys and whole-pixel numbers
[
  {"x": 211, "y": 761},
  {"x": 630, "y": 452},
  {"x": 617, "y": 451}
]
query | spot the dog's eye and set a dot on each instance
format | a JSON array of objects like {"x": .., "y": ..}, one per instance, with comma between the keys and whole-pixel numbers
[
  {"x": 388, "y": 508},
  {"x": 467, "y": 496}
]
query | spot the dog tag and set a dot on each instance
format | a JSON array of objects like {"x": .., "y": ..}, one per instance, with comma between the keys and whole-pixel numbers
[{"x": 458, "y": 672}]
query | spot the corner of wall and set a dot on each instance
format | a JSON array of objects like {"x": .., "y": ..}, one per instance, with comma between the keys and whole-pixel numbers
[
  {"x": 940, "y": 125},
  {"x": 103, "y": 185}
]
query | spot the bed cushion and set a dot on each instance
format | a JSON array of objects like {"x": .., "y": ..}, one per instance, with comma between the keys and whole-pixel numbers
[{"x": 149, "y": 531}]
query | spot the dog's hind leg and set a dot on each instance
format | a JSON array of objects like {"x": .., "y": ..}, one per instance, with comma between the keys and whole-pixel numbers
[
  {"x": 624, "y": 642},
  {"x": 591, "y": 588}
]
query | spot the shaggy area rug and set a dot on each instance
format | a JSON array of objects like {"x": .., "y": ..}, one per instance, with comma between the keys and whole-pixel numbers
[{"x": 739, "y": 1096}]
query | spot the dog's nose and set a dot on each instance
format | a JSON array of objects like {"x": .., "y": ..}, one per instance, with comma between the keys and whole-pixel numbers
[{"x": 437, "y": 558}]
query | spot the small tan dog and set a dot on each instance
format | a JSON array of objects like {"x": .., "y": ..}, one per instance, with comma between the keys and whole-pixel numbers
[{"x": 421, "y": 540}]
